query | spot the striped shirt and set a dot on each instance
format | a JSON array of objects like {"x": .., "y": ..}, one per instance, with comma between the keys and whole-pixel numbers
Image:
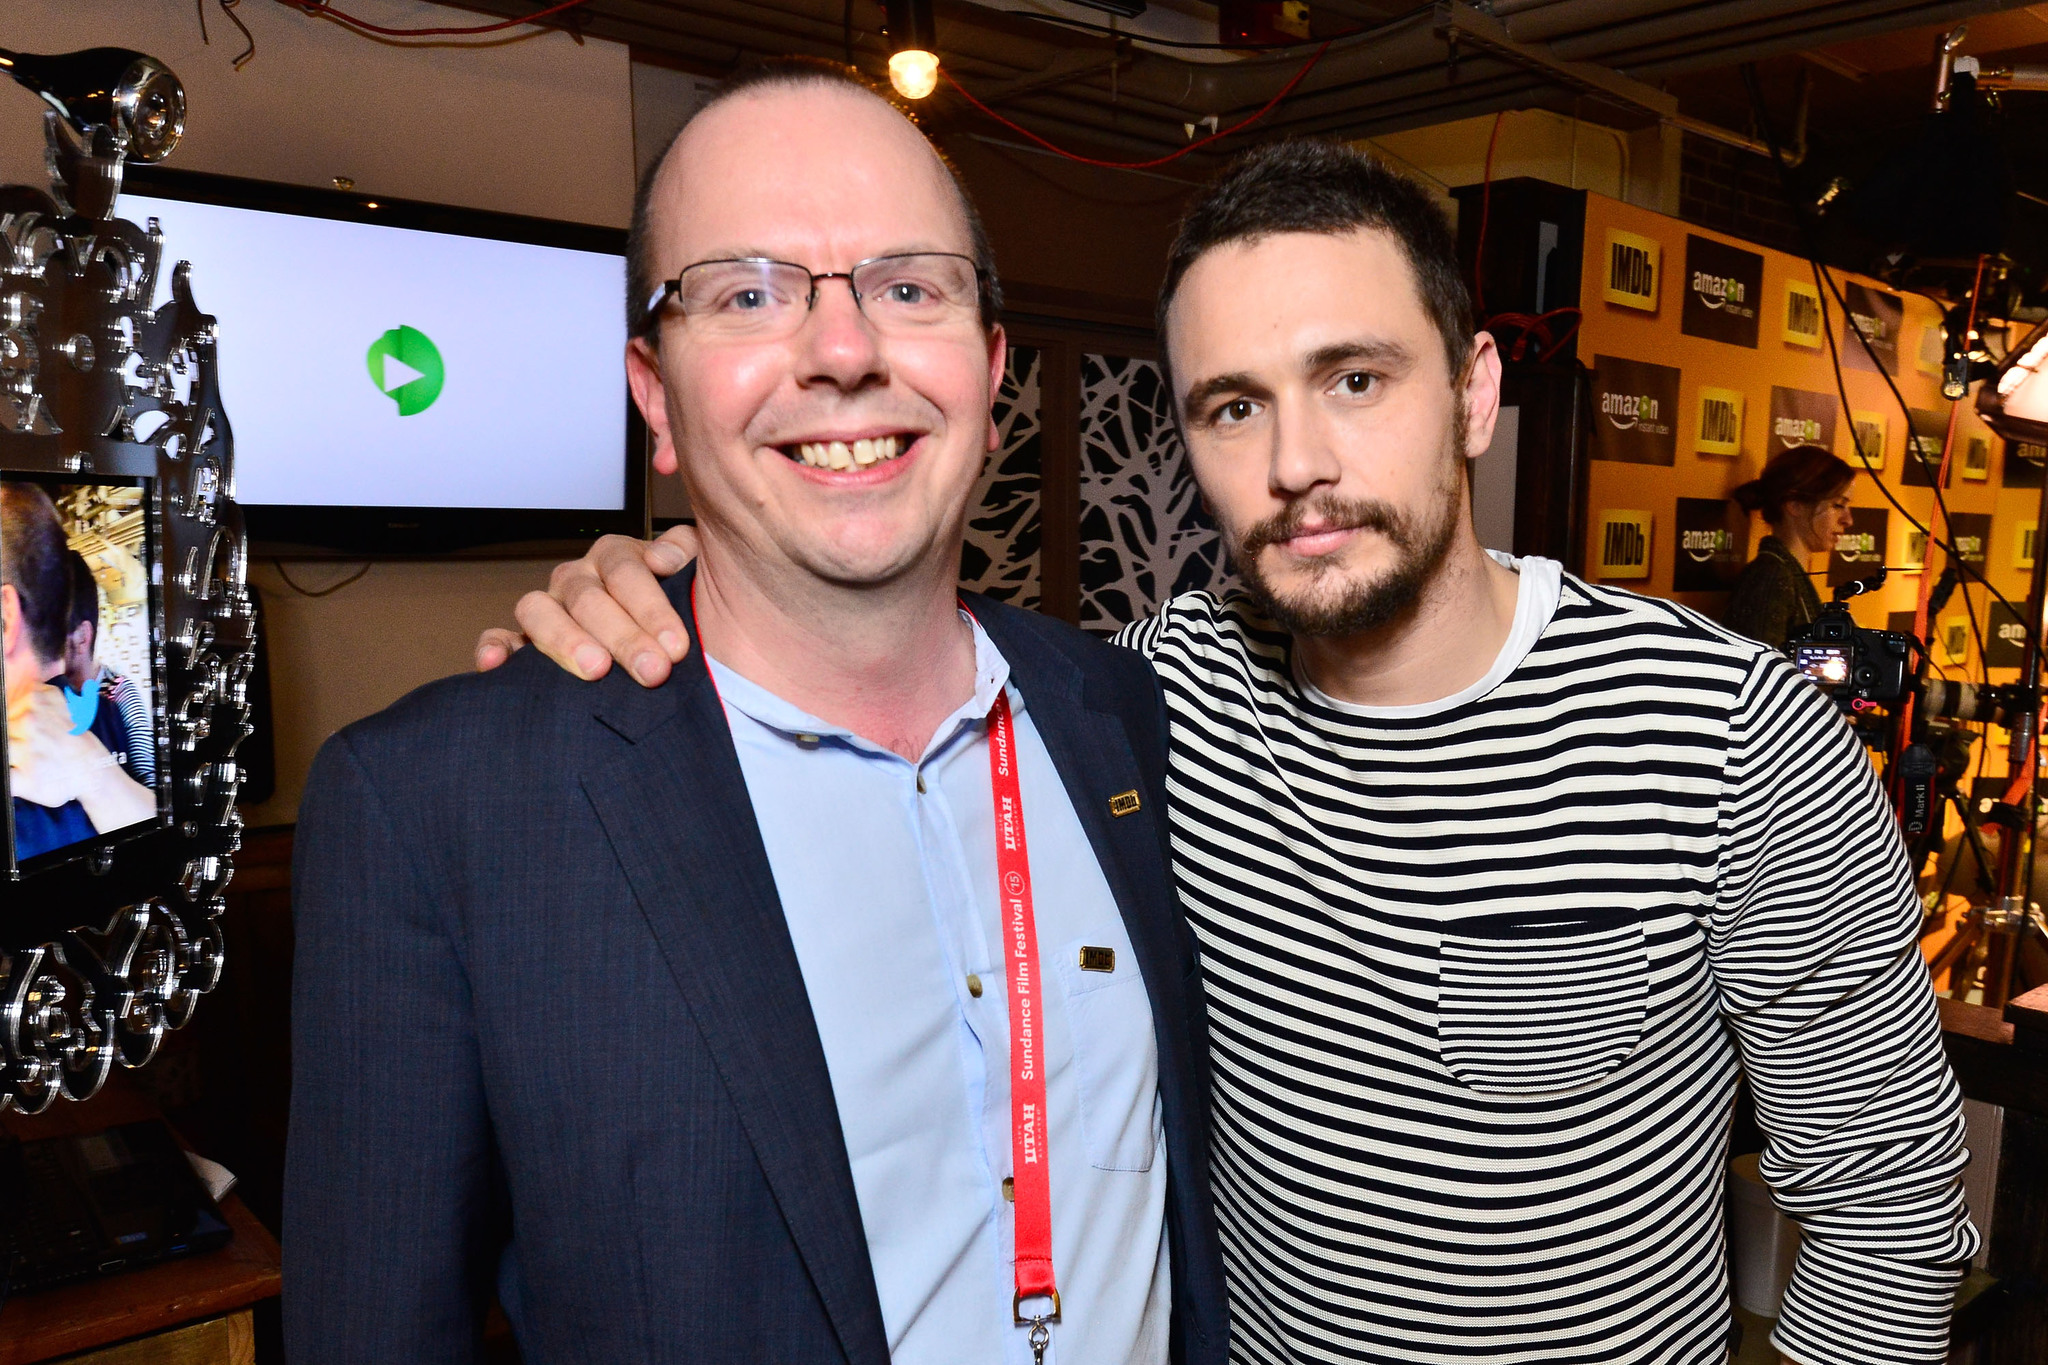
[{"x": 1481, "y": 975}]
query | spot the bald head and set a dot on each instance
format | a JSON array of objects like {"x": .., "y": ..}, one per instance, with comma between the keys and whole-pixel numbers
[{"x": 817, "y": 138}]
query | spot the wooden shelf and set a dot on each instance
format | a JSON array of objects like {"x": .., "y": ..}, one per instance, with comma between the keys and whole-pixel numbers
[{"x": 99, "y": 1312}]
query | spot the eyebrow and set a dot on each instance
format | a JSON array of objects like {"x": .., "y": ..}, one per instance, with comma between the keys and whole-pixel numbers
[
  {"x": 1390, "y": 354},
  {"x": 763, "y": 254},
  {"x": 1218, "y": 385}
]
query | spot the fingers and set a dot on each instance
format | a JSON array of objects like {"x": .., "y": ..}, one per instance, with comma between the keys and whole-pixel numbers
[
  {"x": 609, "y": 605},
  {"x": 676, "y": 547},
  {"x": 495, "y": 646},
  {"x": 551, "y": 630},
  {"x": 626, "y": 574}
]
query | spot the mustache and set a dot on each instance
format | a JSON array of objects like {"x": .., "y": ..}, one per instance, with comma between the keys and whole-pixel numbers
[{"x": 1336, "y": 514}]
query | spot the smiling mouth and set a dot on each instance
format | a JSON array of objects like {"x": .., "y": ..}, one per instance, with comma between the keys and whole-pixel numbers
[{"x": 844, "y": 455}]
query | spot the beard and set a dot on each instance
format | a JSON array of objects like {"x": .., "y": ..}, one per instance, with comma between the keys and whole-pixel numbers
[{"x": 1329, "y": 603}]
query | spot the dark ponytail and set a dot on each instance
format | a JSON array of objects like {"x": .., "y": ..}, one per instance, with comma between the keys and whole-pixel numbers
[{"x": 1805, "y": 474}]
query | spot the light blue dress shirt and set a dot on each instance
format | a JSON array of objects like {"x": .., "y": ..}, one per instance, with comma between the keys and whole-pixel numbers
[{"x": 887, "y": 874}]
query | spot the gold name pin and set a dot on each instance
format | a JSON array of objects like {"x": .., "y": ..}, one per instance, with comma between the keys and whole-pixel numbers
[
  {"x": 1124, "y": 803},
  {"x": 1098, "y": 959}
]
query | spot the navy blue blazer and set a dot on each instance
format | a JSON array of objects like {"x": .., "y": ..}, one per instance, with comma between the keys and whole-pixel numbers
[{"x": 550, "y": 1036}]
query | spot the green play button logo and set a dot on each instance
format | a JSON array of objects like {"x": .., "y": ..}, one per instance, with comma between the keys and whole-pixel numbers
[{"x": 406, "y": 368}]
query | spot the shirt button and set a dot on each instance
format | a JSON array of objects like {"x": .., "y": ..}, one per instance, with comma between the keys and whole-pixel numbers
[
  {"x": 974, "y": 985},
  {"x": 1010, "y": 1188},
  {"x": 920, "y": 784}
]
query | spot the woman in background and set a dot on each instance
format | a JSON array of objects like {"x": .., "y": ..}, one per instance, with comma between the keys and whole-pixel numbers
[{"x": 1803, "y": 494}]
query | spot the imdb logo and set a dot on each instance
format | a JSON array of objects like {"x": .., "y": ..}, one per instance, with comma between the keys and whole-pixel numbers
[
  {"x": 1633, "y": 264},
  {"x": 1624, "y": 540}
]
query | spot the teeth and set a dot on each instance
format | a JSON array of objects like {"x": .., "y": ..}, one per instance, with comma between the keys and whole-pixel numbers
[{"x": 844, "y": 455}]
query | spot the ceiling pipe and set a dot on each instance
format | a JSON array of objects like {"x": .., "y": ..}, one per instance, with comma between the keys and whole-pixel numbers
[
  {"x": 1411, "y": 56},
  {"x": 1771, "y": 38},
  {"x": 1394, "y": 76}
]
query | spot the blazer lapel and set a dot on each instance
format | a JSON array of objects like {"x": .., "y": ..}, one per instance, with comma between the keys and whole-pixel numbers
[
  {"x": 1092, "y": 751},
  {"x": 674, "y": 804}
]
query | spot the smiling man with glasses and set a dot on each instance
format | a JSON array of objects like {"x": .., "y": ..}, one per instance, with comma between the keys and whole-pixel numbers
[{"x": 830, "y": 1002}]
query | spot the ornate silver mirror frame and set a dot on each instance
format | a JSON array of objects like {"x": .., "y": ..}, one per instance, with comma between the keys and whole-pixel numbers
[{"x": 106, "y": 943}]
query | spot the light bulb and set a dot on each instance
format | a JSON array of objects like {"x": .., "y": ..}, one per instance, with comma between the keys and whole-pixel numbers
[{"x": 914, "y": 73}]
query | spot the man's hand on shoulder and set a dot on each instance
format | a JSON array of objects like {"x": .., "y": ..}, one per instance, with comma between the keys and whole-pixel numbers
[{"x": 607, "y": 605}]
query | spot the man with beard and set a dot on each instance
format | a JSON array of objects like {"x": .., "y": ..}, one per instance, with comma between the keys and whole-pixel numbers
[{"x": 1501, "y": 878}]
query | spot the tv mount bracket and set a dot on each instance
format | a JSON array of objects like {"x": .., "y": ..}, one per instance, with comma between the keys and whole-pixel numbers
[{"x": 103, "y": 953}]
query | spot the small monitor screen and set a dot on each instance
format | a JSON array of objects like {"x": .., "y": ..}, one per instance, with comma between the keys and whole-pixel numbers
[
  {"x": 366, "y": 365},
  {"x": 75, "y": 573},
  {"x": 1827, "y": 665}
]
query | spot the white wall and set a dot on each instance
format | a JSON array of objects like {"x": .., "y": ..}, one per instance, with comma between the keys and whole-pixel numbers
[{"x": 538, "y": 125}]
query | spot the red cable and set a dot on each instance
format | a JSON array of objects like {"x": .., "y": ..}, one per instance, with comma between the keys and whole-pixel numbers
[
  {"x": 316, "y": 9},
  {"x": 1285, "y": 90}
]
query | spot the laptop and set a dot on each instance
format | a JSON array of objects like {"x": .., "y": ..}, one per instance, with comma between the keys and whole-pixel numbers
[{"x": 101, "y": 1203}]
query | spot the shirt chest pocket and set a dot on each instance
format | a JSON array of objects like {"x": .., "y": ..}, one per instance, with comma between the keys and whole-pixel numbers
[
  {"x": 1538, "y": 1004},
  {"x": 1116, "y": 1057}
]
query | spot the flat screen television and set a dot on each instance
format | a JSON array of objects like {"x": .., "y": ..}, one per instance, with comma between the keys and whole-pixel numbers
[{"x": 406, "y": 378}]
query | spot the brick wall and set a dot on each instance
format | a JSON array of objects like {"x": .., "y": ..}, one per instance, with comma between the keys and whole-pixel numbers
[{"x": 1733, "y": 191}]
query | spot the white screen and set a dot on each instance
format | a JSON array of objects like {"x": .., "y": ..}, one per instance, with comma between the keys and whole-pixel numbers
[{"x": 531, "y": 410}]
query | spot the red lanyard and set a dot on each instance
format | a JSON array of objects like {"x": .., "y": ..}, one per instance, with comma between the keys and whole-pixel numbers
[
  {"x": 1028, "y": 1127},
  {"x": 1029, "y": 1150}
]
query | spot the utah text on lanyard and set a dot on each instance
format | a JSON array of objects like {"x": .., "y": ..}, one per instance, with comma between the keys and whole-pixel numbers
[{"x": 1028, "y": 1126}]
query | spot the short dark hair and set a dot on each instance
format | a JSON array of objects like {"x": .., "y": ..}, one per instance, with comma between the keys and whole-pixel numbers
[
  {"x": 787, "y": 71},
  {"x": 1309, "y": 185},
  {"x": 85, "y": 594},
  {"x": 1808, "y": 474},
  {"x": 32, "y": 559}
]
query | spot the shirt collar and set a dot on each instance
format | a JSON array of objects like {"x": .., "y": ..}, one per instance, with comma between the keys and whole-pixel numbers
[{"x": 800, "y": 727}]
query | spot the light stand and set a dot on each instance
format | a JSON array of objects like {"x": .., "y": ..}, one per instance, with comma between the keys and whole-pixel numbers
[{"x": 2014, "y": 403}]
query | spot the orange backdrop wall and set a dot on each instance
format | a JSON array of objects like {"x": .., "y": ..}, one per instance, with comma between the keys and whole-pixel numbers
[{"x": 1617, "y": 330}]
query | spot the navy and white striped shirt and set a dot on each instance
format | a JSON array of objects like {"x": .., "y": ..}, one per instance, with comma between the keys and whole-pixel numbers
[{"x": 1482, "y": 974}]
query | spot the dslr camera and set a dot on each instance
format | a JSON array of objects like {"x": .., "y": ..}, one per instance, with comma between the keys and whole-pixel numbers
[
  {"x": 1851, "y": 662},
  {"x": 1868, "y": 670}
]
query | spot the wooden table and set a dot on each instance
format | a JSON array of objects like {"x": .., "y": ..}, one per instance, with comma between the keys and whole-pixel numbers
[{"x": 195, "y": 1310}]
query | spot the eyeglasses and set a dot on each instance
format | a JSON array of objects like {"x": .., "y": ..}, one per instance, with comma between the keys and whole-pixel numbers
[{"x": 762, "y": 300}]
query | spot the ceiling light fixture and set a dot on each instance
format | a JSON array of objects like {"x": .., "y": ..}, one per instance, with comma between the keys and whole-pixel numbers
[{"x": 913, "y": 55}]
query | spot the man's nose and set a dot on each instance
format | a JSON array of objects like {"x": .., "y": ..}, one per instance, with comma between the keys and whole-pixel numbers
[
  {"x": 838, "y": 345},
  {"x": 1303, "y": 457}
]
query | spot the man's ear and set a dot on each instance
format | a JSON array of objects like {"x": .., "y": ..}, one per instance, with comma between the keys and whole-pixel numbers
[
  {"x": 998, "y": 357},
  {"x": 650, "y": 395},
  {"x": 1481, "y": 395},
  {"x": 10, "y": 617}
]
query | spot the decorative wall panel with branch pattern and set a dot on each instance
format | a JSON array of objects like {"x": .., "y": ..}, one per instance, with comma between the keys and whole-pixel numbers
[
  {"x": 1000, "y": 556},
  {"x": 1144, "y": 535}
]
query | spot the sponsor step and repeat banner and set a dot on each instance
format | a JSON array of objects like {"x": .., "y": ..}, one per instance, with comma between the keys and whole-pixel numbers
[{"x": 1710, "y": 355}]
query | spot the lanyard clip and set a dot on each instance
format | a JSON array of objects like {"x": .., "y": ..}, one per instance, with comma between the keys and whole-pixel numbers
[{"x": 1017, "y": 1309}]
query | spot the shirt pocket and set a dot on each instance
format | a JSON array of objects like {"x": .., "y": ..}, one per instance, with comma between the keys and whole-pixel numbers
[
  {"x": 1116, "y": 1056},
  {"x": 1541, "y": 1003}
]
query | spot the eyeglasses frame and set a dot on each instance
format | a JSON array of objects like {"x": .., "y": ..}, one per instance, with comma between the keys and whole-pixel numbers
[{"x": 672, "y": 288}]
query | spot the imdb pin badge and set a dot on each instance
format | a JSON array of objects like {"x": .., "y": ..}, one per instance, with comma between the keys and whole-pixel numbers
[
  {"x": 1098, "y": 959},
  {"x": 1124, "y": 803}
]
